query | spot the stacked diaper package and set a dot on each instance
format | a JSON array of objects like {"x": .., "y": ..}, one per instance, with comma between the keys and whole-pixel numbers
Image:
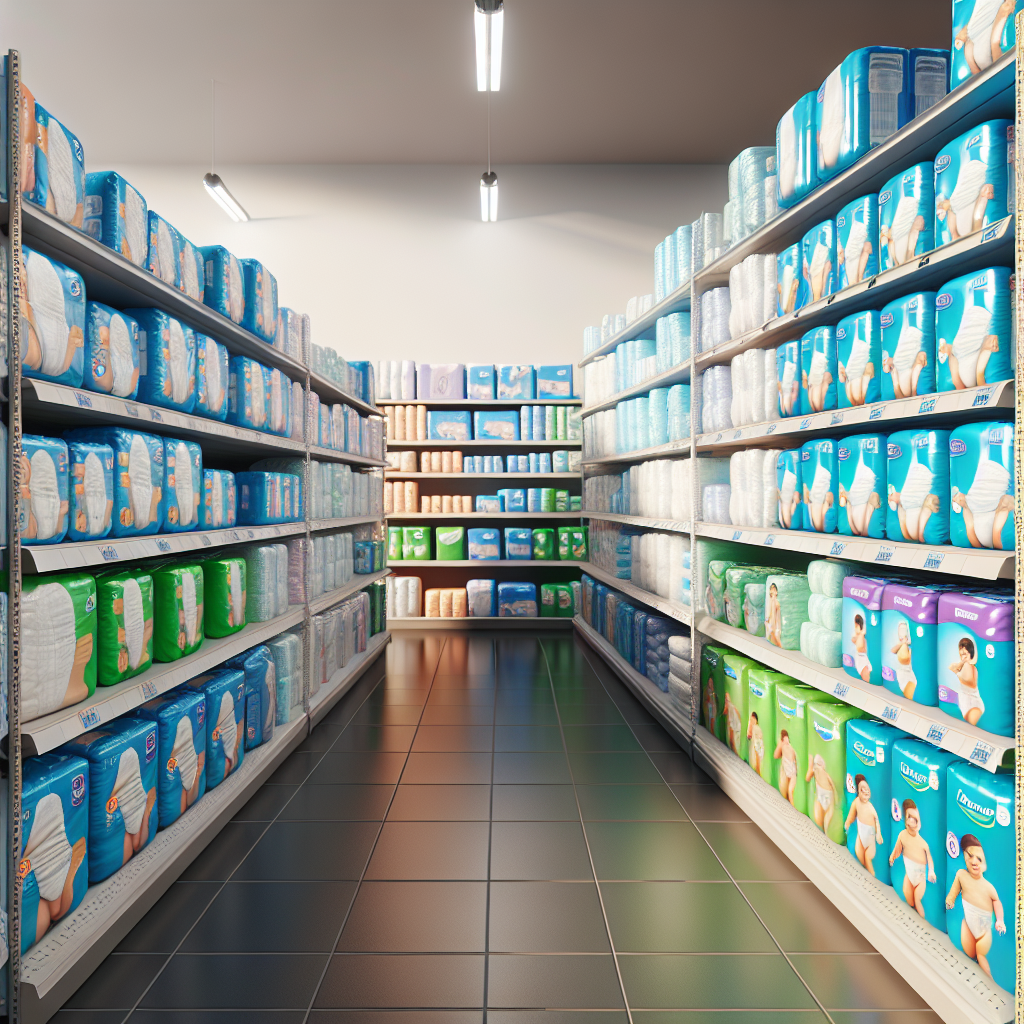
[
  {"x": 528, "y": 423},
  {"x": 655, "y": 489},
  {"x": 339, "y": 635},
  {"x": 409, "y": 381},
  {"x": 657, "y": 418},
  {"x": 653, "y": 560}
]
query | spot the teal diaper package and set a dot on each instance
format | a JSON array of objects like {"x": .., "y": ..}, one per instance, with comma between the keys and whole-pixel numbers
[
  {"x": 862, "y": 628},
  {"x": 908, "y": 346},
  {"x": 918, "y": 483},
  {"x": 819, "y": 371},
  {"x": 787, "y": 361},
  {"x": 981, "y": 486},
  {"x": 906, "y": 215},
  {"x": 796, "y": 152},
  {"x": 910, "y": 634},
  {"x": 818, "y": 250},
  {"x": 859, "y": 342},
  {"x": 793, "y": 291},
  {"x": 983, "y": 31},
  {"x": 788, "y": 470},
  {"x": 857, "y": 241},
  {"x": 862, "y": 485},
  {"x": 819, "y": 474}
]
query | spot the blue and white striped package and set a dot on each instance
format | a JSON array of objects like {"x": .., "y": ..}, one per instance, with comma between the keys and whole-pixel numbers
[
  {"x": 260, "y": 693},
  {"x": 123, "y": 814},
  {"x": 929, "y": 78},
  {"x": 480, "y": 381},
  {"x": 116, "y": 215},
  {"x": 554, "y": 381},
  {"x": 52, "y": 320},
  {"x": 482, "y": 598},
  {"x": 862, "y": 490},
  {"x": 167, "y": 360},
  {"x": 857, "y": 241},
  {"x": 138, "y": 478},
  {"x": 91, "y": 490},
  {"x": 517, "y": 600},
  {"x": 111, "y": 351},
  {"x": 788, "y": 470},
  {"x": 818, "y": 260},
  {"x": 268, "y": 498},
  {"x": 164, "y": 251},
  {"x": 59, "y": 170},
  {"x": 906, "y": 215},
  {"x": 217, "y": 509},
  {"x": 796, "y": 152},
  {"x": 441, "y": 381},
  {"x": 180, "y": 718},
  {"x": 981, "y": 486},
  {"x": 908, "y": 346},
  {"x": 974, "y": 330},
  {"x": 224, "y": 691},
  {"x": 787, "y": 357},
  {"x": 792, "y": 289},
  {"x": 526, "y": 423},
  {"x": 497, "y": 424},
  {"x": 193, "y": 271},
  {"x": 519, "y": 542},
  {"x": 449, "y": 425},
  {"x": 859, "y": 340},
  {"x": 247, "y": 393},
  {"x": 43, "y": 509},
  {"x": 54, "y": 840},
  {"x": 864, "y": 101},
  {"x": 516, "y": 382},
  {"x": 819, "y": 475},
  {"x": 484, "y": 544},
  {"x": 917, "y": 480},
  {"x": 212, "y": 377},
  {"x": 260, "y": 317},
  {"x": 224, "y": 288},
  {"x": 971, "y": 178},
  {"x": 183, "y": 485},
  {"x": 280, "y": 391},
  {"x": 819, "y": 371},
  {"x": 983, "y": 30}
]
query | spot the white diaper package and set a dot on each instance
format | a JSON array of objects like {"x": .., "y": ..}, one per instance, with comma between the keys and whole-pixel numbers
[
  {"x": 908, "y": 346},
  {"x": 212, "y": 378},
  {"x": 167, "y": 360},
  {"x": 224, "y": 289},
  {"x": 981, "y": 486},
  {"x": 441, "y": 380},
  {"x": 796, "y": 152},
  {"x": 260, "y": 315},
  {"x": 164, "y": 251},
  {"x": 857, "y": 241},
  {"x": 183, "y": 485},
  {"x": 59, "y": 170},
  {"x": 91, "y": 490},
  {"x": 116, "y": 215},
  {"x": 906, "y": 215},
  {"x": 52, "y": 320},
  {"x": 111, "y": 351},
  {"x": 193, "y": 270},
  {"x": 43, "y": 509}
]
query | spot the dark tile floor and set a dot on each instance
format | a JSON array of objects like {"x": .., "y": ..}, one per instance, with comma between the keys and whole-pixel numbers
[{"x": 492, "y": 828}]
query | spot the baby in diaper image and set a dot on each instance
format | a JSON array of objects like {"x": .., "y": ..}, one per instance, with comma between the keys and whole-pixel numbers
[
  {"x": 786, "y": 755},
  {"x": 915, "y": 503},
  {"x": 905, "y": 678},
  {"x": 980, "y": 41},
  {"x": 773, "y": 616},
  {"x": 963, "y": 211},
  {"x": 869, "y": 828},
  {"x": 981, "y": 499},
  {"x": 917, "y": 858},
  {"x": 826, "y": 796},
  {"x": 981, "y": 905},
  {"x": 965, "y": 668},
  {"x": 755, "y": 739},
  {"x": 859, "y": 639},
  {"x": 732, "y": 724}
]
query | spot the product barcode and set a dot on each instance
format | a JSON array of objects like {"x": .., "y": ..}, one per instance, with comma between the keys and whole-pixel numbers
[
  {"x": 936, "y": 733},
  {"x": 841, "y": 690},
  {"x": 89, "y": 717},
  {"x": 981, "y": 753},
  {"x": 890, "y": 713}
]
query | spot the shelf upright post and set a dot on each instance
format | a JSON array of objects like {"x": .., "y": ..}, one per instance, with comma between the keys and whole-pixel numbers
[
  {"x": 307, "y": 505},
  {"x": 696, "y": 403},
  {"x": 1018, "y": 512}
]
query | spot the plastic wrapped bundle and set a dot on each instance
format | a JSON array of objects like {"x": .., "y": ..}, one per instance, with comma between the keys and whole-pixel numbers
[
  {"x": 286, "y": 650},
  {"x": 279, "y": 402},
  {"x": 262, "y": 582},
  {"x": 789, "y": 489},
  {"x": 53, "y": 320},
  {"x": 167, "y": 360},
  {"x": 786, "y": 598},
  {"x": 224, "y": 596},
  {"x": 183, "y": 485},
  {"x": 818, "y": 257},
  {"x": 797, "y": 152},
  {"x": 260, "y": 300},
  {"x": 90, "y": 469},
  {"x": 826, "y": 611},
  {"x": 247, "y": 393},
  {"x": 224, "y": 290},
  {"x": 787, "y": 363},
  {"x": 193, "y": 271},
  {"x": 116, "y": 215},
  {"x": 791, "y": 289},
  {"x": 405, "y": 598},
  {"x": 771, "y": 288},
  {"x": 217, "y": 509},
  {"x": 752, "y": 171},
  {"x": 715, "y": 502},
  {"x": 857, "y": 240},
  {"x": 747, "y": 374},
  {"x": 714, "y": 318},
  {"x": 716, "y": 399},
  {"x": 300, "y": 551},
  {"x": 736, "y": 578},
  {"x": 717, "y": 568},
  {"x": 746, "y": 479},
  {"x": 124, "y": 607},
  {"x": 678, "y": 412},
  {"x": 770, "y": 488},
  {"x": 111, "y": 351},
  {"x": 177, "y": 611},
  {"x": 753, "y": 608},
  {"x": 711, "y": 236},
  {"x": 771, "y": 384},
  {"x": 820, "y": 645},
  {"x": 164, "y": 251}
]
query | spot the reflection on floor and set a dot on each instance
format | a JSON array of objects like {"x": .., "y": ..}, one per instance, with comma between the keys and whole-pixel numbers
[{"x": 492, "y": 828}]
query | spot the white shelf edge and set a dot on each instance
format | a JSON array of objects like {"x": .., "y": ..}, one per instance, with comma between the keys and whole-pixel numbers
[
  {"x": 679, "y": 374},
  {"x": 353, "y": 586},
  {"x": 337, "y": 395},
  {"x": 471, "y": 622},
  {"x": 668, "y": 525},
  {"x": 398, "y": 475},
  {"x": 502, "y": 563},
  {"x": 477, "y": 403},
  {"x": 483, "y": 515},
  {"x": 441, "y": 443},
  {"x": 673, "y": 609},
  {"x": 336, "y": 455},
  {"x": 671, "y": 303},
  {"x": 316, "y": 525},
  {"x": 678, "y": 447},
  {"x": 344, "y": 678}
]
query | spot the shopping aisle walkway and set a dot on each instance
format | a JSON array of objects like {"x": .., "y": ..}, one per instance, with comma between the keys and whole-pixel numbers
[{"x": 492, "y": 822}]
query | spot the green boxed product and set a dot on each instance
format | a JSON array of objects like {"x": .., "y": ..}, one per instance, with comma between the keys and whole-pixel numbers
[
  {"x": 736, "y": 578},
  {"x": 712, "y": 688},
  {"x": 547, "y": 499},
  {"x": 785, "y": 609},
  {"x": 761, "y": 745},
  {"x": 223, "y": 596},
  {"x": 451, "y": 542},
  {"x": 416, "y": 543},
  {"x": 177, "y": 611},
  {"x": 573, "y": 424},
  {"x": 717, "y": 568},
  {"x": 575, "y": 503},
  {"x": 561, "y": 433},
  {"x": 378, "y": 605},
  {"x": 549, "y": 423},
  {"x": 124, "y": 612},
  {"x": 556, "y": 600},
  {"x": 791, "y": 700},
  {"x": 561, "y": 501},
  {"x": 394, "y": 543},
  {"x": 734, "y": 708},
  {"x": 564, "y": 542},
  {"x": 543, "y": 545},
  {"x": 572, "y": 543},
  {"x": 826, "y": 769}
]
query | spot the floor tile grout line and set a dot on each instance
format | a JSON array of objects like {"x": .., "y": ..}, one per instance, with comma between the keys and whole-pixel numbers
[
  {"x": 586, "y": 840},
  {"x": 714, "y": 852},
  {"x": 490, "y": 837}
]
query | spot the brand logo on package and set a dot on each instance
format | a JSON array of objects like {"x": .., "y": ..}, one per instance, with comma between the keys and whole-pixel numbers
[
  {"x": 825, "y": 732},
  {"x": 943, "y": 162},
  {"x": 805, "y": 456},
  {"x": 942, "y": 300},
  {"x": 974, "y": 140},
  {"x": 957, "y": 447},
  {"x": 858, "y": 593},
  {"x": 995, "y": 436},
  {"x": 885, "y": 197},
  {"x": 887, "y": 319},
  {"x": 151, "y": 746},
  {"x": 841, "y": 333},
  {"x": 915, "y": 778},
  {"x": 980, "y": 815},
  {"x": 77, "y": 790},
  {"x": 895, "y": 451},
  {"x": 844, "y": 453},
  {"x": 756, "y": 690},
  {"x": 840, "y": 222},
  {"x": 902, "y": 602},
  {"x": 962, "y": 613},
  {"x": 866, "y": 754},
  {"x": 928, "y": 405}
]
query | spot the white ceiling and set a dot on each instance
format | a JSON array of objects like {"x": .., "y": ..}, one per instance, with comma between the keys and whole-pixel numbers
[{"x": 392, "y": 81}]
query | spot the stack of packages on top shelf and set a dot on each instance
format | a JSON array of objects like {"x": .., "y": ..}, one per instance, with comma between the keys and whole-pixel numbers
[
  {"x": 407, "y": 381},
  {"x": 485, "y": 598},
  {"x": 751, "y": 193},
  {"x": 532, "y": 422}
]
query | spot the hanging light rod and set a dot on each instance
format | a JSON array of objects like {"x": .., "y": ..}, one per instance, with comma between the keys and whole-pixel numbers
[
  {"x": 489, "y": 197},
  {"x": 488, "y": 17},
  {"x": 224, "y": 199}
]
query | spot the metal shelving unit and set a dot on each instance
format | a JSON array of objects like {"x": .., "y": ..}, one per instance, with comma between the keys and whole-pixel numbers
[
  {"x": 673, "y": 609},
  {"x": 397, "y": 475},
  {"x": 442, "y": 443},
  {"x": 672, "y": 303},
  {"x": 677, "y": 375}
]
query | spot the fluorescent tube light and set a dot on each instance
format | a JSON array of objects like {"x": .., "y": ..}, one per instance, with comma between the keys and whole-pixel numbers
[
  {"x": 489, "y": 197},
  {"x": 488, "y": 18},
  {"x": 224, "y": 199}
]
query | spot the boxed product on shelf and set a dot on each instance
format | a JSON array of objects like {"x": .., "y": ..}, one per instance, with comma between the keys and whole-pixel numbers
[
  {"x": 554, "y": 381},
  {"x": 556, "y": 601},
  {"x": 516, "y": 382},
  {"x": 111, "y": 351},
  {"x": 286, "y": 650},
  {"x": 445, "y": 603},
  {"x": 488, "y": 504},
  {"x": 405, "y": 596},
  {"x": 513, "y": 499},
  {"x": 167, "y": 360},
  {"x": 183, "y": 485},
  {"x": 517, "y": 600},
  {"x": 917, "y": 472},
  {"x": 827, "y": 767},
  {"x": 43, "y": 508},
  {"x": 288, "y": 337},
  {"x": 224, "y": 691},
  {"x": 482, "y": 597},
  {"x": 449, "y": 424},
  {"x": 480, "y": 382},
  {"x": 542, "y": 541},
  {"x": 484, "y": 544},
  {"x": 819, "y": 372},
  {"x": 863, "y": 461},
  {"x": 416, "y": 543},
  {"x": 260, "y": 316},
  {"x": 225, "y": 290},
  {"x": 53, "y": 320},
  {"x": 451, "y": 542},
  {"x": 518, "y": 542},
  {"x": 859, "y": 341},
  {"x": 116, "y": 215},
  {"x": 164, "y": 251},
  {"x": 857, "y": 242},
  {"x": 224, "y": 595},
  {"x": 441, "y": 380},
  {"x": 499, "y": 424},
  {"x": 124, "y": 623},
  {"x": 90, "y": 489},
  {"x": 59, "y": 163}
]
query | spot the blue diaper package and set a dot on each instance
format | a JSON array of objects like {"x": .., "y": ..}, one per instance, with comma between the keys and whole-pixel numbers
[
  {"x": 917, "y": 480},
  {"x": 929, "y": 78},
  {"x": 908, "y": 346},
  {"x": 796, "y": 152},
  {"x": 862, "y": 491},
  {"x": 526, "y": 423},
  {"x": 862, "y": 628},
  {"x": 793, "y": 291},
  {"x": 247, "y": 393},
  {"x": 787, "y": 361},
  {"x": 260, "y": 694},
  {"x": 484, "y": 544},
  {"x": 482, "y": 597},
  {"x": 983, "y": 30},
  {"x": 224, "y": 691},
  {"x": 217, "y": 509},
  {"x": 138, "y": 478},
  {"x": 974, "y": 330},
  {"x": 280, "y": 395},
  {"x": 52, "y": 321},
  {"x": 981, "y": 862},
  {"x": 516, "y": 382},
  {"x": 91, "y": 490},
  {"x": 111, "y": 351},
  {"x": 480, "y": 382},
  {"x": 910, "y": 630},
  {"x": 497, "y": 424},
  {"x": 971, "y": 178},
  {"x": 859, "y": 342},
  {"x": 167, "y": 360},
  {"x": 43, "y": 509},
  {"x": 787, "y": 471},
  {"x": 59, "y": 170},
  {"x": 183, "y": 485},
  {"x": 123, "y": 815},
  {"x": 819, "y": 473},
  {"x": 268, "y": 498},
  {"x": 861, "y": 103},
  {"x": 116, "y": 215},
  {"x": 981, "y": 486},
  {"x": 513, "y": 499},
  {"x": 819, "y": 371},
  {"x": 164, "y": 251},
  {"x": 517, "y": 600},
  {"x": 260, "y": 317},
  {"x": 54, "y": 839},
  {"x": 519, "y": 542},
  {"x": 906, "y": 215},
  {"x": 818, "y": 258},
  {"x": 224, "y": 289},
  {"x": 554, "y": 381},
  {"x": 193, "y": 271},
  {"x": 213, "y": 374},
  {"x": 449, "y": 425},
  {"x": 857, "y": 241}
]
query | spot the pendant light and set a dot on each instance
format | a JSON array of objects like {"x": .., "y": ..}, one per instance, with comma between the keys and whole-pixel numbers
[
  {"x": 488, "y": 18},
  {"x": 212, "y": 181},
  {"x": 489, "y": 197}
]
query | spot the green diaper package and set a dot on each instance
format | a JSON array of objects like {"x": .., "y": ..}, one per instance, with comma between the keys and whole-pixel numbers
[
  {"x": 753, "y": 608},
  {"x": 124, "y": 620},
  {"x": 826, "y": 767},
  {"x": 416, "y": 543},
  {"x": 717, "y": 568},
  {"x": 734, "y": 709},
  {"x": 394, "y": 543},
  {"x": 451, "y": 542},
  {"x": 736, "y": 578},
  {"x": 820, "y": 645},
  {"x": 543, "y": 545},
  {"x": 561, "y": 501},
  {"x": 826, "y": 576},
  {"x": 177, "y": 610},
  {"x": 224, "y": 596},
  {"x": 712, "y": 688},
  {"x": 790, "y": 745},
  {"x": 572, "y": 543},
  {"x": 785, "y": 609},
  {"x": 761, "y": 741},
  {"x": 825, "y": 611},
  {"x": 556, "y": 600}
]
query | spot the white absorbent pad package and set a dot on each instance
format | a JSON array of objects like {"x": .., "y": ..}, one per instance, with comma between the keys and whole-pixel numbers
[
  {"x": 193, "y": 270},
  {"x": 116, "y": 215},
  {"x": 183, "y": 485},
  {"x": 247, "y": 393},
  {"x": 111, "y": 351},
  {"x": 52, "y": 321},
  {"x": 224, "y": 289},
  {"x": 260, "y": 286},
  {"x": 59, "y": 170},
  {"x": 91, "y": 489},
  {"x": 286, "y": 650},
  {"x": 441, "y": 380},
  {"x": 212, "y": 377},
  {"x": 796, "y": 152},
  {"x": 180, "y": 718},
  {"x": 167, "y": 360},
  {"x": 164, "y": 251},
  {"x": 224, "y": 692},
  {"x": 43, "y": 509}
]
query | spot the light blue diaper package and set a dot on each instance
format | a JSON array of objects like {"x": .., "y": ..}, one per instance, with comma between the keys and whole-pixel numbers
[
  {"x": 519, "y": 542},
  {"x": 247, "y": 393},
  {"x": 482, "y": 596},
  {"x": 54, "y": 839},
  {"x": 90, "y": 489},
  {"x": 193, "y": 271},
  {"x": 818, "y": 259},
  {"x": 59, "y": 170},
  {"x": 164, "y": 251},
  {"x": 260, "y": 694},
  {"x": 862, "y": 485},
  {"x": 513, "y": 499},
  {"x": 787, "y": 361},
  {"x": 450, "y": 425},
  {"x": 138, "y": 478},
  {"x": 123, "y": 814},
  {"x": 796, "y": 152},
  {"x": 793, "y": 291},
  {"x": 538, "y": 423},
  {"x": 167, "y": 360},
  {"x": 516, "y": 382},
  {"x": 917, "y": 480},
  {"x": 908, "y": 346},
  {"x": 281, "y": 404},
  {"x": 861, "y": 103},
  {"x": 788, "y": 470},
  {"x": 517, "y": 600},
  {"x": 497, "y": 424},
  {"x": 286, "y": 650},
  {"x": 484, "y": 544},
  {"x": 224, "y": 691},
  {"x": 910, "y": 631},
  {"x": 116, "y": 215},
  {"x": 819, "y": 474},
  {"x": 260, "y": 317},
  {"x": 859, "y": 342},
  {"x": 52, "y": 320},
  {"x": 869, "y": 761},
  {"x": 213, "y": 374},
  {"x": 919, "y": 827},
  {"x": 217, "y": 509},
  {"x": 981, "y": 486},
  {"x": 183, "y": 485},
  {"x": 526, "y": 423},
  {"x": 983, "y": 31},
  {"x": 480, "y": 382},
  {"x": 289, "y": 335},
  {"x": 819, "y": 371},
  {"x": 43, "y": 509},
  {"x": 111, "y": 351},
  {"x": 268, "y": 498},
  {"x": 554, "y": 381},
  {"x": 971, "y": 178},
  {"x": 857, "y": 241},
  {"x": 224, "y": 288},
  {"x": 974, "y": 330},
  {"x": 929, "y": 78},
  {"x": 906, "y": 215},
  {"x": 862, "y": 628},
  {"x": 981, "y": 876}
]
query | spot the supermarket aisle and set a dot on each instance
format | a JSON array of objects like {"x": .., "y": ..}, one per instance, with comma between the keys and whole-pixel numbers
[{"x": 502, "y": 796}]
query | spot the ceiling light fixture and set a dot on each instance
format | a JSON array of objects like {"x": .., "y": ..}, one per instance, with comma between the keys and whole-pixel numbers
[
  {"x": 489, "y": 197},
  {"x": 488, "y": 17},
  {"x": 212, "y": 181}
]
